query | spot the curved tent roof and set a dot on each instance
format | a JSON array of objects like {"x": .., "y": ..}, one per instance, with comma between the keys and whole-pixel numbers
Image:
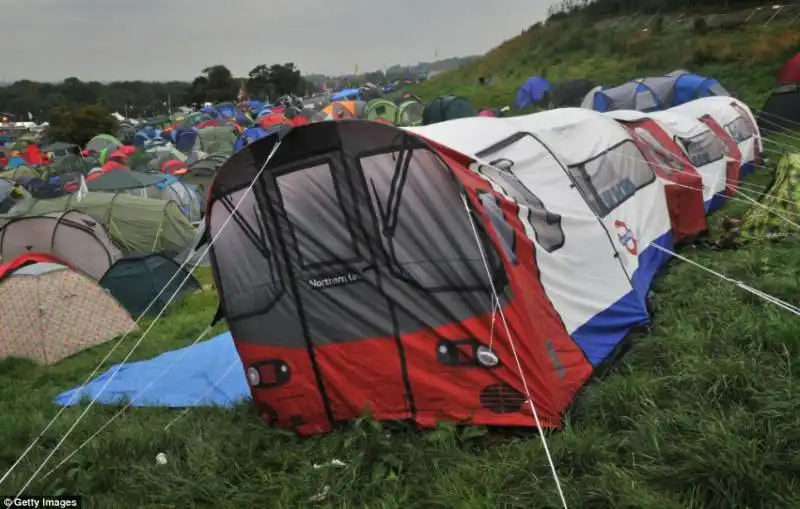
[
  {"x": 532, "y": 92},
  {"x": 55, "y": 313},
  {"x": 410, "y": 113},
  {"x": 381, "y": 109},
  {"x": 202, "y": 172},
  {"x": 135, "y": 223},
  {"x": 121, "y": 179},
  {"x": 139, "y": 279},
  {"x": 655, "y": 93},
  {"x": 216, "y": 139},
  {"x": 447, "y": 108},
  {"x": 72, "y": 236},
  {"x": 103, "y": 142}
]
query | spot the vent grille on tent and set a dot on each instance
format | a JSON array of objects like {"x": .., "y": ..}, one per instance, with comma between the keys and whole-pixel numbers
[{"x": 502, "y": 399}]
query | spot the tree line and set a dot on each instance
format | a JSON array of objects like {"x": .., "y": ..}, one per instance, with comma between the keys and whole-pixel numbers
[
  {"x": 26, "y": 99},
  {"x": 619, "y": 7}
]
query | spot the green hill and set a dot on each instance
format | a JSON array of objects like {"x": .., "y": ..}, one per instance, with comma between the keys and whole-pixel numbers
[{"x": 743, "y": 49}]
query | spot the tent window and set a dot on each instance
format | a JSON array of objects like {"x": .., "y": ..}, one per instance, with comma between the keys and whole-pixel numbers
[
  {"x": 546, "y": 225},
  {"x": 504, "y": 230},
  {"x": 609, "y": 179},
  {"x": 320, "y": 226},
  {"x": 751, "y": 126},
  {"x": 703, "y": 149},
  {"x": 659, "y": 155},
  {"x": 739, "y": 130},
  {"x": 424, "y": 229},
  {"x": 250, "y": 286}
]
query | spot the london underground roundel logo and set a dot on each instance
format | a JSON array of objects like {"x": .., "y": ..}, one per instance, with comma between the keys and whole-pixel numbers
[{"x": 627, "y": 237}]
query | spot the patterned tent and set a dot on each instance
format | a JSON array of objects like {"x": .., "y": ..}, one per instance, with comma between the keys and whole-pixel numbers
[{"x": 56, "y": 313}]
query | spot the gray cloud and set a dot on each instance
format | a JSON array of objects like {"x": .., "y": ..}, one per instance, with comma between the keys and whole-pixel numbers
[{"x": 175, "y": 39}]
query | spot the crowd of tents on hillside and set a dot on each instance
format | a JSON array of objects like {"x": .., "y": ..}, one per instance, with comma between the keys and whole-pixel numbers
[{"x": 354, "y": 260}]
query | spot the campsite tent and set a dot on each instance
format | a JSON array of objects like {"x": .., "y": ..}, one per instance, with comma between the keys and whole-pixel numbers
[
  {"x": 781, "y": 112},
  {"x": 71, "y": 236},
  {"x": 413, "y": 284},
  {"x": 790, "y": 72},
  {"x": 570, "y": 93},
  {"x": 716, "y": 163},
  {"x": 215, "y": 139},
  {"x": 123, "y": 179},
  {"x": 682, "y": 183},
  {"x": 139, "y": 279},
  {"x": 345, "y": 109},
  {"x": 103, "y": 142},
  {"x": 135, "y": 223},
  {"x": 533, "y": 91},
  {"x": 409, "y": 113},
  {"x": 383, "y": 110},
  {"x": 736, "y": 119},
  {"x": 202, "y": 172},
  {"x": 55, "y": 312},
  {"x": 447, "y": 108},
  {"x": 655, "y": 93}
]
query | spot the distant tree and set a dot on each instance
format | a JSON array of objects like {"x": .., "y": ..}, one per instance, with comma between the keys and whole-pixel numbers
[
  {"x": 285, "y": 79},
  {"x": 258, "y": 85},
  {"x": 220, "y": 85},
  {"x": 131, "y": 98},
  {"x": 197, "y": 91},
  {"x": 80, "y": 124}
]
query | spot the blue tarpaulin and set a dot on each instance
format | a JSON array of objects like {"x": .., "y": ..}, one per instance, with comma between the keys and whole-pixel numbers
[{"x": 205, "y": 374}]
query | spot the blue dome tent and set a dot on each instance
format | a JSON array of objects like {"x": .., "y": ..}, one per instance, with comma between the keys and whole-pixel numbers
[
  {"x": 655, "y": 93},
  {"x": 532, "y": 92}
]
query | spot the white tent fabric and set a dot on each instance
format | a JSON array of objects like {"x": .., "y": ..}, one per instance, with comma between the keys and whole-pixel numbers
[
  {"x": 587, "y": 240},
  {"x": 703, "y": 148},
  {"x": 735, "y": 117}
]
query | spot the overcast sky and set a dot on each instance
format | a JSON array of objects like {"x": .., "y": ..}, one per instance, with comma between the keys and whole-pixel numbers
[{"x": 49, "y": 40}]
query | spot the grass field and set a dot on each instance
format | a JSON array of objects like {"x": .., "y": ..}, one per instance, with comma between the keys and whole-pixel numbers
[{"x": 703, "y": 412}]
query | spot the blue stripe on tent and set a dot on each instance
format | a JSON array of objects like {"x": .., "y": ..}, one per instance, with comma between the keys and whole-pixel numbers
[
  {"x": 602, "y": 333},
  {"x": 715, "y": 203},
  {"x": 746, "y": 169},
  {"x": 209, "y": 373}
]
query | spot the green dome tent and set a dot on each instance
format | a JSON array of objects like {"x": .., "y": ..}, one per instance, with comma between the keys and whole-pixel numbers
[
  {"x": 215, "y": 139},
  {"x": 135, "y": 223},
  {"x": 103, "y": 142},
  {"x": 381, "y": 109},
  {"x": 410, "y": 113},
  {"x": 19, "y": 172},
  {"x": 447, "y": 108},
  {"x": 138, "y": 279}
]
